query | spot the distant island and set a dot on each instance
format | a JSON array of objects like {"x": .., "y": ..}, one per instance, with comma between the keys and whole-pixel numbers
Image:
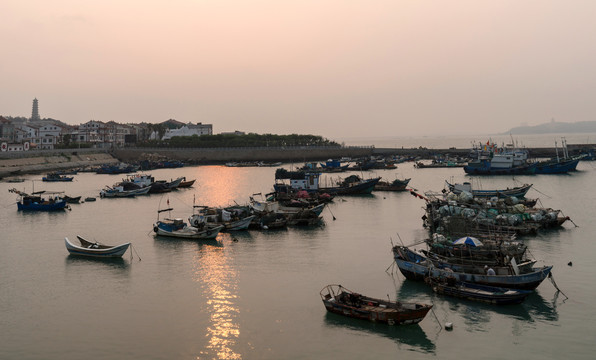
[{"x": 554, "y": 127}]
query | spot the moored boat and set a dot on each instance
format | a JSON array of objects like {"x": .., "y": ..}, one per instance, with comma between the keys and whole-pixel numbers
[
  {"x": 72, "y": 199},
  {"x": 477, "y": 292},
  {"x": 186, "y": 184},
  {"x": 178, "y": 228},
  {"x": 118, "y": 191},
  {"x": 231, "y": 218},
  {"x": 517, "y": 191},
  {"x": 395, "y": 185},
  {"x": 339, "y": 300},
  {"x": 52, "y": 177},
  {"x": 95, "y": 249},
  {"x": 416, "y": 266},
  {"x": 40, "y": 200}
]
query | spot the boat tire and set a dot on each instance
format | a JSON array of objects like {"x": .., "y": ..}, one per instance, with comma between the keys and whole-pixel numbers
[
  {"x": 196, "y": 222},
  {"x": 155, "y": 228}
]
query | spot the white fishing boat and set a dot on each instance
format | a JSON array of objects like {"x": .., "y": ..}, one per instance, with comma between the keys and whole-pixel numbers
[{"x": 95, "y": 249}]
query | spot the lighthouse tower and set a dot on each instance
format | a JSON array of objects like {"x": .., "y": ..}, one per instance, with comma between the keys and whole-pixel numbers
[{"x": 35, "y": 111}]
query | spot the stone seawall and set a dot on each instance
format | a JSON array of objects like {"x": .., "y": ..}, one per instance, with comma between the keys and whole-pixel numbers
[
  {"x": 40, "y": 164},
  {"x": 268, "y": 154}
]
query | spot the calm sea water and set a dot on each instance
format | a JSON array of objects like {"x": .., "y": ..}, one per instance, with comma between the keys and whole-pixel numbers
[{"x": 255, "y": 295}]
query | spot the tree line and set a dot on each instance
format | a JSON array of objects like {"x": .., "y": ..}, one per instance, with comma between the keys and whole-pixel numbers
[{"x": 234, "y": 140}]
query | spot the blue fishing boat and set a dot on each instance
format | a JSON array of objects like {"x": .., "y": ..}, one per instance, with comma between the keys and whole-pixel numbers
[
  {"x": 493, "y": 160},
  {"x": 416, "y": 266},
  {"x": 557, "y": 166},
  {"x": 40, "y": 200}
]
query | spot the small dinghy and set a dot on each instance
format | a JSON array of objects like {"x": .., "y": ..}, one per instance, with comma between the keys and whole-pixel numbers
[{"x": 95, "y": 249}]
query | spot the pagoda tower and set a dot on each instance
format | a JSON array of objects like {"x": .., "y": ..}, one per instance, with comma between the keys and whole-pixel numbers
[{"x": 35, "y": 111}]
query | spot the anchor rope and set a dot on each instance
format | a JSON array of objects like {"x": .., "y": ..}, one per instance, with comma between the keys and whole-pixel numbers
[{"x": 552, "y": 280}]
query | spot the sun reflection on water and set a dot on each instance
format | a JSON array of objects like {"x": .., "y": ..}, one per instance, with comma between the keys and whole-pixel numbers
[{"x": 219, "y": 283}]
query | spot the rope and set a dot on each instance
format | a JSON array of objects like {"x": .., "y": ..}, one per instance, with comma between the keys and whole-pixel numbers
[
  {"x": 433, "y": 311},
  {"x": 135, "y": 250},
  {"x": 552, "y": 280},
  {"x": 534, "y": 187}
]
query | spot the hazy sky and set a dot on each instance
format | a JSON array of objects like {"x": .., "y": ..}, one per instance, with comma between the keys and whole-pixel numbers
[{"x": 344, "y": 68}]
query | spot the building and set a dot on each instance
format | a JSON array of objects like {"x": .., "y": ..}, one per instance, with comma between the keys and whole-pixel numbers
[{"x": 189, "y": 130}]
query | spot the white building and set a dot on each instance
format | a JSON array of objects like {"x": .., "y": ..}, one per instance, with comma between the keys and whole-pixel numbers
[{"x": 189, "y": 130}]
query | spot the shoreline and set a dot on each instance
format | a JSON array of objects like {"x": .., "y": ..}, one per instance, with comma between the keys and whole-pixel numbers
[{"x": 14, "y": 164}]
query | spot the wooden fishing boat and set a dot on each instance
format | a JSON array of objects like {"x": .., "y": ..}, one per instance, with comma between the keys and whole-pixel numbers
[
  {"x": 518, "y": 191},
  {"x": 72, "y": 199},
  {"x": 179, "y": 229},
  {"x": 231, "y": 218},
  {"x": 416, "y": 266},
  {"x": 118, "y": 192},
  {"x": 95, "y": 249},
  {"x": 186, "y": 184},
  {"x": 304, "y": 218},
  {"x": 342, "y": 301},
  {"x": 395, "y": 185},
  {"x": 477, "y": 292}
]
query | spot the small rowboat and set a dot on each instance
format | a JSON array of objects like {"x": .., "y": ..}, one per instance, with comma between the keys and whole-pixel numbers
[
  {"x": 342, "y": 301},
  {"x": 95, "y": 249}
]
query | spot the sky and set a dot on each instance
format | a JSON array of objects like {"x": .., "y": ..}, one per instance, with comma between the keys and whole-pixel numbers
[{"x": 335, "y": 68}]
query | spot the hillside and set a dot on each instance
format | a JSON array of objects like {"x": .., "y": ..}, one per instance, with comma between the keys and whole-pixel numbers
[{"x": 554, "y": 127}]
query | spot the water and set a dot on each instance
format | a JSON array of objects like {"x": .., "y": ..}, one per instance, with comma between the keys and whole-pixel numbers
[{"x": 255, "y": 295}]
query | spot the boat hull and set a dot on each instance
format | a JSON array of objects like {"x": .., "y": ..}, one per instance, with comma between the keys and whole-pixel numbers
[
  {"x": 418, "y": 269},
  {"x": 486, "y": 294},
  {"x": 34, "y": 206},
  {"x": 341, "y": 301},
  {"x": 111, "y": 252},
  {"x": 188, "y": 232}
]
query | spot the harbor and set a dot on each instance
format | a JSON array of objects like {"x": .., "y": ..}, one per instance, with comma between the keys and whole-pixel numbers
[{"x": 229, "y": 297}]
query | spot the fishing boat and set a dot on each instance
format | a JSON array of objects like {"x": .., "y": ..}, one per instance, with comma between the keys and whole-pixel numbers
[
  {"x": 95, "y": 249},
  {"x": 178, "y": 228},
  {"x": 72, "y": 199},
  {"x": 416, "y": 266},
  {"x": 477, "y": 292},
  {"x": 52, "y": 177},
  {"x": 395, "y": 185},
  {"x": 339, "y": 300},
  {"x": 118, "y": 192},
  {"x": 309, "y": 181},
  {"x": 304, "y": 218},
  {"x": 518, "y": 191},
  {"x": 231, "y": 218},
  {"x": 493, "y": 160},
  {"x": 559, "y": 164},
  {"x": 352, "y": 185},
  {"x": 260, "y": 206},
  {"x": 186, "y": 184},
  {"x": 40, "y": 200}
]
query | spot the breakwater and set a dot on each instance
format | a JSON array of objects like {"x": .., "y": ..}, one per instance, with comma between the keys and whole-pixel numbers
[
  {"x": 222, "y": 155},
  {"x": 14, "y": 163},
  {"x": 41, "y": 161}
]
